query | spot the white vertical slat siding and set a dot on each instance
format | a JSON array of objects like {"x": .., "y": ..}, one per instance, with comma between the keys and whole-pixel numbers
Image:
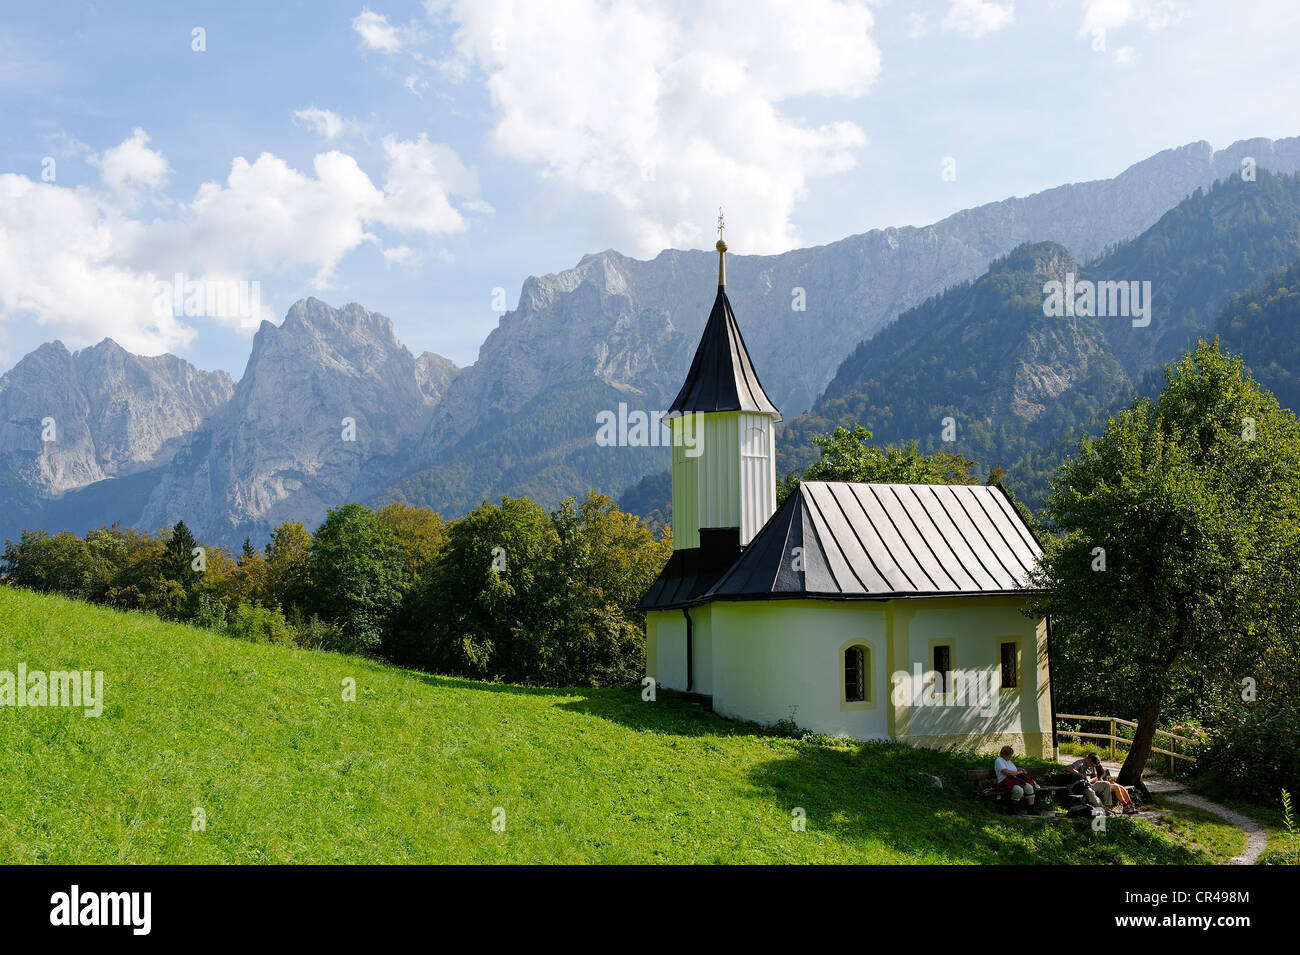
[
  {"x": 730, "y": 483},
  {"x": 686, "y": 508},
  {"x": 757, "y": 474},
  {"x": 719, "y": 470}
]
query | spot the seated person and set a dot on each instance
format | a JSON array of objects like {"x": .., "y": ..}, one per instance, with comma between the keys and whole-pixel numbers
[
  {"x": 1090, "y": 783},
  {"x": 1126, "y": 801},
  {"x": 1013, "y": 782}
]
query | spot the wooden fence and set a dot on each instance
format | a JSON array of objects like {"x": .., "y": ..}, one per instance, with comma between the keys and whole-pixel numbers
[{"x": 1115, "y": 722}]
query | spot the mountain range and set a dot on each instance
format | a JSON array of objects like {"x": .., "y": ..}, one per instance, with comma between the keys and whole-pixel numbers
[
  {"x": 69, "y": 420},
  {"x": 1016, "y": 381},
  {"x": 331, "y": 407}
]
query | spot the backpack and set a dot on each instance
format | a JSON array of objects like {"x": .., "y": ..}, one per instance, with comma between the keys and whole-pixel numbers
[{"x": 1081, "y": 811}]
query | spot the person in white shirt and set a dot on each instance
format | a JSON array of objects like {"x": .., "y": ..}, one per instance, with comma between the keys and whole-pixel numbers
[
  {"x": 1013, "y": 782},
  {"x": 1091, "y": 784}
]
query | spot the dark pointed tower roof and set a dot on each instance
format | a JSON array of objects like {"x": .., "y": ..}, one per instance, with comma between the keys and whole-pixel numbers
[{"x": 722, "y": 377}]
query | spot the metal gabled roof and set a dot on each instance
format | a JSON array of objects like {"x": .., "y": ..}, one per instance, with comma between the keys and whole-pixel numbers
[
  {"x": 875, "y": 541},
  {"x": 722, "y": 377}
]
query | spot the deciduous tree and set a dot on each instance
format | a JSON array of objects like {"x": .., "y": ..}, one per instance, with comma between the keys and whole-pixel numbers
[{"x": 1176, "y": 554}]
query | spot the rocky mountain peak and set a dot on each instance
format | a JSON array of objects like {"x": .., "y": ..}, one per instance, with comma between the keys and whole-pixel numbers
[
  {"x": 1043, "y": 260},
  {"x": 434, "y": 373},
  {"x": 329, "y": 406},
  {"x": 69, "y": 419}
]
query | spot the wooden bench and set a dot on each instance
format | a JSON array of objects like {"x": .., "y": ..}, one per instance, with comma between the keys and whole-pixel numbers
[{"x": 1050, "y": 783}]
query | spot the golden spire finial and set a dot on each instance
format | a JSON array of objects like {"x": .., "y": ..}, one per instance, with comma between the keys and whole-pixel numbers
[{"x": 722, "y": 250}]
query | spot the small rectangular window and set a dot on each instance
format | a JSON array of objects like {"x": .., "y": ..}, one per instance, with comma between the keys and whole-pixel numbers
[
  {"x": 1009, "y": 667},
  {"x": 855, "y": 682},
  {"x": 943, "y": 666}
]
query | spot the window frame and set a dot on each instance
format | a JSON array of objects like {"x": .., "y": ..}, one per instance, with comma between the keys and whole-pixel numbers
[
  {"x": 1020, "y": 666},
  {"x": 869, "y": 701},
  {"x": 950, "y": 689}
]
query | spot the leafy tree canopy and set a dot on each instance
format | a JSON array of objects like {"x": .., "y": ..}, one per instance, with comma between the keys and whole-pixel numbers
[
  {"x": 849, "y": 455},
  {"x": 1175, "y": 568},
  {"x": 356, "y": 569}
]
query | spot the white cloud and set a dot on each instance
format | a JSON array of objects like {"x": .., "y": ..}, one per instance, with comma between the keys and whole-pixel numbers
[
  {"x": 80, "y": 262},
  {"x": 66, "y": 146},
  {"x": 132, "y": 165},
  {"x": 376, "y": 32},
  {"x": 1102, "y": 16},
  {"x": 978, "y": 17},
  {"x": 325, "y": 123},
  {"x": 268, "y": 217},
  {"x": 1124, "y": 55},
  {"x": 400, "y": 255},
  {"x": 663, "y": 114},
  {"x": 61, "y": 263},
  {"x": 422, "y": 178}
]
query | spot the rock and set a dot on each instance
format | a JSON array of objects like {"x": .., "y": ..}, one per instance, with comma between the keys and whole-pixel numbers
[
  {"x": 113, "y": 414},
  {"x": 327, "y": 411}
]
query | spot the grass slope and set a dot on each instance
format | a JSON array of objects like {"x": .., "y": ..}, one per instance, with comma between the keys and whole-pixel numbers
[{"x": 261, "y": 739}]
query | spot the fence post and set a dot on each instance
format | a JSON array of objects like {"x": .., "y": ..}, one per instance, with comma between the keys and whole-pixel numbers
[
  {"x": 1112, "y": 739},
  {"x": 1173, "y": 745}
]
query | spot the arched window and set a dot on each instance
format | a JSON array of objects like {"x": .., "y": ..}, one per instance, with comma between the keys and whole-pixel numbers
[{"x": 855, "y": 674}]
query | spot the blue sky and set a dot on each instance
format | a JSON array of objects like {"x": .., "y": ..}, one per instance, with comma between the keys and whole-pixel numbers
[{"x": 416, "y": 157}]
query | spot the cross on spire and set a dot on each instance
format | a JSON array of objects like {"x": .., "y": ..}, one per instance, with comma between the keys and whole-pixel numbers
[{"x": 722, "y": 249}]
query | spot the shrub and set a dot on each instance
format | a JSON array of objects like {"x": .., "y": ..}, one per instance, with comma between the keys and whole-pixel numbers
[
  {"x": 318, "y": 634},
  {"x": 55, "y": 563},
  {"x": 1285, "y": 849},
  {"x": 259, "y": 624},
  {"x": 209, "y": 613},
  {"x": 1253, "y": 752}
]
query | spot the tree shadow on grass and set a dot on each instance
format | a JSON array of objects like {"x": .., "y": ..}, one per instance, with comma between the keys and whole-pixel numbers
[
  {"x": 866, "y": 794},
  {"x": 671, "y": 712},
  {"x": 444, "y": 682},
  {"x": 872, "y": 793}
]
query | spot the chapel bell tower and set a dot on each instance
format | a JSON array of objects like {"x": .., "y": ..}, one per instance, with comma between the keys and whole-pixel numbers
[{"x": 724, "y": 460}]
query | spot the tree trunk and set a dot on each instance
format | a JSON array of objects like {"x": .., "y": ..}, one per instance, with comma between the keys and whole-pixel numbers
[{"x": 1130, "y": 774}]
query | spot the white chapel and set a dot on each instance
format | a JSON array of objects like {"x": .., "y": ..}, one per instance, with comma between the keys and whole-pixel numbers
[{"x": 876, "y": 611}]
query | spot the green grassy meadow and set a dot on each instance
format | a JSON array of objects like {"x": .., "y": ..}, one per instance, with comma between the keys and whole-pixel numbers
[{"x": 285, "y": 769}]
